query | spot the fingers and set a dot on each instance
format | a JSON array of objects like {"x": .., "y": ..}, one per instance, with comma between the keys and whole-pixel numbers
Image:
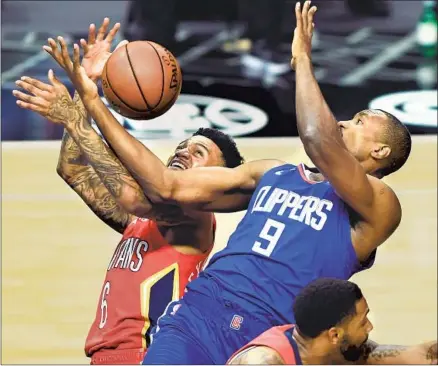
[
  {"x": 65, "y": 56},
  {"x": 29, "y": 99},
  {"x": 53, "y": 50},
  {"x": 304, "y": 16},
  {"x": 76, "y": 57},
  {"x": 84, "y": 45},
  {"x": 102, "y": 30},
  {"x": 310, "y": 15},
  {"x": 33, "y": 85},
  {"x": 52, "y": 78},
  {"x": 122, "y": 43},
  {"x": 298, "y": 15},
  {"x": 92, "y": 34},
  {"x": 109, "y": 38},
  {"x": 304, "y": 21},
  {"x": 29, "y": 106}
]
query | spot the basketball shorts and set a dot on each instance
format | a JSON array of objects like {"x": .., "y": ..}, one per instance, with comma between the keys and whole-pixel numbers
[{"x": 202, "y": 328}]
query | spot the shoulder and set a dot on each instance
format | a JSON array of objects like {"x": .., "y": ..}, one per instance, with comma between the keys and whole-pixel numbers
[
  {"x": 386, "y": 201},
  {"x": 258, "y": 168}
]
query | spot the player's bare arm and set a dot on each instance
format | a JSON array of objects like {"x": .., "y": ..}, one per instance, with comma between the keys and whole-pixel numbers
[
  {"x": 62, "y": 109},
  {"x": 421, "y": 354},
  {"x": 258, "y": 355},
  {"x": 105, "y": 185},
  {"x": 201, "y": 188},
  {"x": 74, "y": 169},
  {"x": 375, "y": 202},
  {"x": 54, "y": 102}
]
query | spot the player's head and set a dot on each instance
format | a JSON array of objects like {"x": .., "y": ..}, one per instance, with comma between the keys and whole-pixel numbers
[
  {"x": 377, "y": 139},
  {"x": 333, "y": 312},
  {"x": 206, "y": 147}
]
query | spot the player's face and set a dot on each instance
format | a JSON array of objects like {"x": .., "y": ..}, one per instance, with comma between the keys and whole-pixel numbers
[
  {"x": 363, "y": 133},
  {"x": 356, "y": 331},
  {"x": 195, "y": 152}
]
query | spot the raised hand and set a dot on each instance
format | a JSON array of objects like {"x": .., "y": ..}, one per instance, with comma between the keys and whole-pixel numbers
[
  {"x": 98, "y": 48},
  {"x": 52, "y": 101},
  {"x": 77, "y": 74},
  {"x": 302, "y": 41},
  {"x": 96, "y": 51}
]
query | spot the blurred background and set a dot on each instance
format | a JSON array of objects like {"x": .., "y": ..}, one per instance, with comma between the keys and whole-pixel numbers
[
  {"x": 235, "y": 53},
  {"x": 236, "y": 77}
]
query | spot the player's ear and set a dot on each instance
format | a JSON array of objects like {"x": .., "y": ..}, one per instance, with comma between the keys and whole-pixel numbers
[
  {"x": 335, "y": 335},
  {"x": 380, "y": 151}
]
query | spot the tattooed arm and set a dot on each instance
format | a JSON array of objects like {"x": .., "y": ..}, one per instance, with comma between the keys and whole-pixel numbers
[
  {"x": 257, "y": 355},
  {"x": 108, "y": 189},
  {"x": 119, "y": 183},
  {"x": 74, "y": 169},
  {"x": 421, "y": 354}
]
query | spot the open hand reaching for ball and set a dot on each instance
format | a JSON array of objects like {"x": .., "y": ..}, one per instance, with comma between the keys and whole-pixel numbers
[
  {"x": 98, "y": 48},
  {"x": 75, "y": 71},
  {"x": 52, "y": 101}
]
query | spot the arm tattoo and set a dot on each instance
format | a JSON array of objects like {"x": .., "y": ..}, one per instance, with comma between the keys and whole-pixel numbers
[
  {"x": 387, "y": 351},
  {"x": 258, "y": 356},
  {"x": 106, "y": 164},
  {"x": 374, "y": 353},
  {"x": 108, "y": 167},
  {"x": 89, "y": 187},
  {"x": 80, "y": 176},
  {"x": 70, "y": 159}
]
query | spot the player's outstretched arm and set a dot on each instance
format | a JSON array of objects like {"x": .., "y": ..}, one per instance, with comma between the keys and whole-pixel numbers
[
  {"x": 119, "y": 193},
  {"x": 215, "y": 188},
  {"x": 421, "y": 354},
  {"x": 209, "y": 189},
  {"x": 323, "y": 143}
]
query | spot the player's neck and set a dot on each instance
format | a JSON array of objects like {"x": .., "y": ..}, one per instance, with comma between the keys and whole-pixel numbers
[{"x": 311, "y": 350}]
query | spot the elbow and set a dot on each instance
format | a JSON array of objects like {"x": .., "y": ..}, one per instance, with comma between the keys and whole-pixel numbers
[
  {"x": 166, "y": 192},
  {"x": 312, "y": 143},
  {"x": 136, "y": 206},
  {"x": 310, "y": 136},
  {"x": 60, "y": 171}
]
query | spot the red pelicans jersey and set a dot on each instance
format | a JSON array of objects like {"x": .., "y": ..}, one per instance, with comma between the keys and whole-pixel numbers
[{"x": 145, "y": 274}]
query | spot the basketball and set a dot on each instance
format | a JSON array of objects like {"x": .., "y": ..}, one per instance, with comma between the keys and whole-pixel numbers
[{"x": 141, "y": 80}]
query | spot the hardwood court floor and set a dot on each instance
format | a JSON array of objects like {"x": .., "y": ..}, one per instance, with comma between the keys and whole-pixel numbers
[{"x": 55, "y": 252}]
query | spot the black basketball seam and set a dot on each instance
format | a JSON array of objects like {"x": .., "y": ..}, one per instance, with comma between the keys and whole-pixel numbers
[
  {"x": 113, "y": 90},
  {"x": 162, "y": 75},
  {"x": 175, "y": 97},
  {"x": 135, "y": 77}
]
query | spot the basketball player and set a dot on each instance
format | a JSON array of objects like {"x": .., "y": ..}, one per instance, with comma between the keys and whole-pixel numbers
[
  {"x": 159, "y": 252},
  {"x": 301, "y": 224},
  {"x": 331, "y": 327}
]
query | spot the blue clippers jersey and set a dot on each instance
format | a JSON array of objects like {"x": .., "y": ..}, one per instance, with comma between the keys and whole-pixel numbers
[{"x": 294, "y": 232}]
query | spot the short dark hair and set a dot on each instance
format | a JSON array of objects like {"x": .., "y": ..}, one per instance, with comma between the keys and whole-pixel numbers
[
  {"x": 323, "y": 304},
  {"x": 226, "y": 145},
  {"x": 397, "y": 136}
]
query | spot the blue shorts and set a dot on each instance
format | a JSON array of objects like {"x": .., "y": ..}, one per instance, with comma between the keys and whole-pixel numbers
[{"x": 202, "y": 328}]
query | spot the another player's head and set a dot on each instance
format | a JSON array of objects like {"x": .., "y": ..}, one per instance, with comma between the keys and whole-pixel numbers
[
  {"x": 333, "y": 314},
  {"x": 206, "y": 147},
  {"x": 377, "y": 139}
]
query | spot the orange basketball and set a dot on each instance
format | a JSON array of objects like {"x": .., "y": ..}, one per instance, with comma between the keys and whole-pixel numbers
[{"x": 141, "y": 80}]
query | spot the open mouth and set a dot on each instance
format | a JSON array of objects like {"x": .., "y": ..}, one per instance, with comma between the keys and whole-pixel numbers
[{"x": 178, "y": 165}]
